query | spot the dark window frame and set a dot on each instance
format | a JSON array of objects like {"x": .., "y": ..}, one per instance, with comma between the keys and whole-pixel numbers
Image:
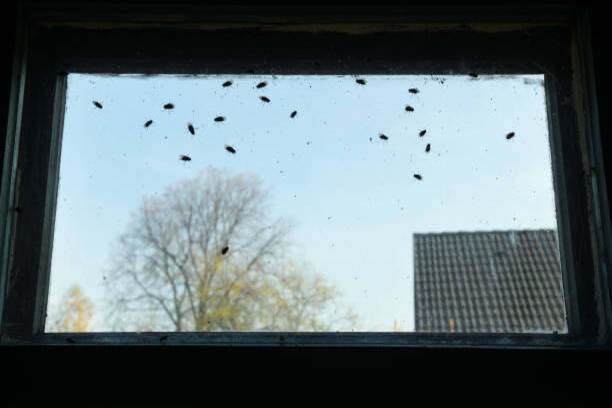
[{"x": 117, "y": 39}]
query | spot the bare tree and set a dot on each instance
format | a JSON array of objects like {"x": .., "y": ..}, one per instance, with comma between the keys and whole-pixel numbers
[{"x": 206, "y": 255}]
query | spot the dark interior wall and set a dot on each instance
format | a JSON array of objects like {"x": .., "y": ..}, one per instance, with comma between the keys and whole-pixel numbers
[{"x": 83, "y": 375}]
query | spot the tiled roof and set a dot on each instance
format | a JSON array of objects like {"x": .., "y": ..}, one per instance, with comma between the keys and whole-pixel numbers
[{"x": 488, "y": 281}]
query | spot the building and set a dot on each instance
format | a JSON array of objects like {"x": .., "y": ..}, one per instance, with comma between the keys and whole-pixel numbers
[{"x": 488, "y": 281}]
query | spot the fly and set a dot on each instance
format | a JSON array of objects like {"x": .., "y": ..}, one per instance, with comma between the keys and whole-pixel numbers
[
  {"x": 227, "y": 83},
  {"x": 148, "y": 123},
  {"x": 418, "y": 176},
  {"x": 224, "y": 250},
  {"x": 262, "y": 84},
  {"x": 510, "y": 135},
  {"x": 219, "y": 118},
  {"x": 413, "y": 90},
  {"x": 191, "y": 129},
  {"x": 265, "y": 99},
  {"x": 422, "y": 133},
  {"x": 230, "y": 149},
  {"x": 293, "y": 114},
  {"x": 185, "y": 158},
  {"x": 428, "y": 148},
  {"x": 409, "y": 108},
  {"x": 383, "y": 136},
  {"x": 360, "y": 81},
  {"x": 169, "y": 106},
  {"x": 97, "y": 104}
]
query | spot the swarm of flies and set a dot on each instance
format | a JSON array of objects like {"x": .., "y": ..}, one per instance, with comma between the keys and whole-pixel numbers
[{"x": 293, "y": 114}]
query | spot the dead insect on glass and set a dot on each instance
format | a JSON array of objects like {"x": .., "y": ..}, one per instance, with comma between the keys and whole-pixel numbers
[
  {"x": 409, "y": 108},
  {"x": 383, "y": 136},
  {"x": 169, "y": 106},
  {"x": 191, "y": 128},
  {"x": 360, "y": 81},
  {"x": 418, "y": 176},
  {"x": 510, "y": 135},
  {"x": 185, "y": 158},
  {"x": 293, "y": 114},
  {"x": 265, "y": 99},
  {"x": 413, "y": 90},
  {"x": 227, "y": 83},
  {"x": 97, "y": 104},
  {"x": 230, "y": 149},
  {"x": 422, "y": 133},
  {"x": 428, "y": 147},
  {"x": 148, "y": 123},
  {"x": 262, "y": 84},
  {"x": 219, "y": 118},
  {"x": 224, "y": 250}
]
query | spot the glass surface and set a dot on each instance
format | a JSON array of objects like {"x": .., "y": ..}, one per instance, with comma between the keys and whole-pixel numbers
[{"x": 305, "y": 203}]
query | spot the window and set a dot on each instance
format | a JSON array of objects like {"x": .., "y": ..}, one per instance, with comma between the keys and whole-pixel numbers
[{"x": 463, "y": 286}]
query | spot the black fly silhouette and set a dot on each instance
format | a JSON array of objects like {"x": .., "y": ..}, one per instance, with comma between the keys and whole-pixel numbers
[
  {"x": 383, "y": 136},
  {"x": 262, "y": 84},
  {"x": 185, "y": 158},
  {"x": 224, "y": 250},
  {"x": 191, "y": 129},
  {"x": 219, "y": 118},
  {"x": 265, "y": 99},
  {"x": 510, "y": 135},
  {"x": 227, "y": 83},
  {"x": 413, "y": 90},
  {"x": 422, "y": 133},
  {"x": 428, "y": 147},
  {"x": 473, "y": 75},
  {"x": 418, "y": 176},
  {"x": 168, "y": 106},
  {"x": 409, "y": 108},
  {"x": 230, "y": 149},
  {"x": 293, "y": 114},
  {"x": 148, "y": 123},
  {"x": 360, "y": 81},
  {"x": 98, "y": 104}
]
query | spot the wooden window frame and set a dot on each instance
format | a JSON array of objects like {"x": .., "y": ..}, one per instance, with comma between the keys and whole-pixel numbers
[{"x": 52, "y": 42}]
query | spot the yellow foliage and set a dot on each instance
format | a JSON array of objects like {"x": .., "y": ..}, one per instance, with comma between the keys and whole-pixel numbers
[{"x": 75, "y": 312}]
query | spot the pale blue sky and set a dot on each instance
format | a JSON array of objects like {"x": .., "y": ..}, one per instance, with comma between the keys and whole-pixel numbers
[{"x": 318, "y": 165}]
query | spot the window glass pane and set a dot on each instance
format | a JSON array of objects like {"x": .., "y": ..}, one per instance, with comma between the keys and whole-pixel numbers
[{"x": 306, "y": 203}]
